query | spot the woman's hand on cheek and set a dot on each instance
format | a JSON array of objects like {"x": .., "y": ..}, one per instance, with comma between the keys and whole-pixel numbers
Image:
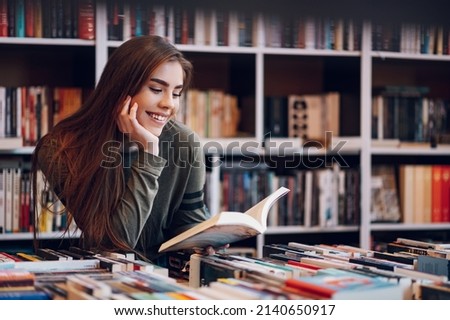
[{"x": 127, "y": 123}]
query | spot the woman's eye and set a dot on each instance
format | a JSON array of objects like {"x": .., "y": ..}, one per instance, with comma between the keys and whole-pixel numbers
[
  {"x": 155, "y": 90},
  {"x": 177, "y": 95}
]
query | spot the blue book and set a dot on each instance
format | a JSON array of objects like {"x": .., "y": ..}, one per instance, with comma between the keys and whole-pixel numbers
[
  {"x": 24, "y": 295},
  {"x": 339, "y": 284},
  {"x": 20, "y": 18},
  {"x": 138, "y": 17},
  {"x": 6, "y": 264},
  {"x": 433, "y": 265}
]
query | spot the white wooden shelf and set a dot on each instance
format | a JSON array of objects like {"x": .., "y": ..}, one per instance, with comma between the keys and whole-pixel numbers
[
  {"x": 47, "y": 41},
  {"x": 43, "y": 236},
  {"x": 409, "y": 56},
  {"x": 409, "y": 226},
  {"x": 419, "y": 151},
  {"x": 255, "y": 50},
  {"x": 18, "y": 151},
  {"x": 315, "y": 229}
]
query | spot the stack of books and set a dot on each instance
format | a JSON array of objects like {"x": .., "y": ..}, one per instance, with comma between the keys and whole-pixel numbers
[
  {"x": 408, "y": 269},
  {"x": 413, "y": 270}
]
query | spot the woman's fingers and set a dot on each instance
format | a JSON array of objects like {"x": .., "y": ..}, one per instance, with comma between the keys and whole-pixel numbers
[
  {"x": 126, "y": 106},
  {"x": 127, "y": 117},
  {"x": 210, "y": 250},
  {"x": 133, "y": 112},
  {"x": 123, "y": 115}
]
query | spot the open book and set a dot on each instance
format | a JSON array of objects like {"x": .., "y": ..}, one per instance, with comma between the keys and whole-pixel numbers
[{"x": 226, "y": 227}]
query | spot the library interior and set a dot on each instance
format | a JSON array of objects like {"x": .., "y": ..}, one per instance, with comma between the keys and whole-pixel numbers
[{"x": 319, "y": 182}]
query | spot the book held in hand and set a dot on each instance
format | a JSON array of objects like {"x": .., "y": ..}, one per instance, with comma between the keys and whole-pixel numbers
[{"x": 226, "y": 227}]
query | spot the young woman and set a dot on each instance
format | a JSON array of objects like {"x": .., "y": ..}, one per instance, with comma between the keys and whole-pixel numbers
[{"x": 129, "y": 175}]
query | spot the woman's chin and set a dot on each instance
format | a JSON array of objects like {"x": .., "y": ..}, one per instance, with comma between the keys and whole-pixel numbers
[{"x": 155, "y": 131}]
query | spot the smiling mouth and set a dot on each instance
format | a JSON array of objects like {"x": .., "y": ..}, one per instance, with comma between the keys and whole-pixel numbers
[{"x": 157, "y": 117}]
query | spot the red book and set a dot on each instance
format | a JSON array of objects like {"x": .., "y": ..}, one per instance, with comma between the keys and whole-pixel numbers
[
  {"x": 436, "y": 194},
  {"x": 301, "y": 293},
  {"x": 86, "y": 19},
  {"x": 3, "y": 18},
  {"x": 340, "y": 285},
  {"x": 29, "y": 18},
  {"x": 6, "y": 255},
  {"x": 311, "y": 288},
  {"x": 303, "y": 265},
  {"x": 445, "y": 193},
  {"x": 184, "y": 26},
  {"x": 133, "y": 18}
]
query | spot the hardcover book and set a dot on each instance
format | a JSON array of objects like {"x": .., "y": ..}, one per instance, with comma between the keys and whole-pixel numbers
[
  {"x": 343, "y": 285},
  {"x": 226, "y": 227}
]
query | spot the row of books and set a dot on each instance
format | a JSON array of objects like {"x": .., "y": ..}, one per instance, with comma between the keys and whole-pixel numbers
[
  {"x": 93, "y": 284},
  {"x": 413, "y": 194},
  {"x": 188, "y": 25},
  {"x": 17, "y": 213},
  {"x": 405, "y": 113},
  {"x": 27, "y": 113},
  {"x": 47, "y": 19},
  {"x": 425, "y": 193},
  {"x": 410, "y": 269},
  {"x": 429, "y": 257},
  {"x": 308, "y": 116},
  {"x": 75, "y": 258},
  {"x": 304, "y": 32},
  {"x": 180, "y": 24},
  {"x": 301, "y": 271},
  {"x": 411, "y": 38},
  {"x": 15, "y": 209},
  {"x": 325, "y": 197},
  {"x": 80, "y": 274},
  {"x": 220, "y": 27},
  {"x": 211, "y": 113},
  {"x": 75, "y": 273}
]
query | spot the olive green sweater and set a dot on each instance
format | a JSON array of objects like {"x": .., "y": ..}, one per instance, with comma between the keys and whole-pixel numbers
[{"x": 163, "y": 194}]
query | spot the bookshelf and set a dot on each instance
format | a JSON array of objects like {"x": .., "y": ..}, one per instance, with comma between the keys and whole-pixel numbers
[
  {"x": 252, "y": 73},
  {"x": 415, "y": 69}
]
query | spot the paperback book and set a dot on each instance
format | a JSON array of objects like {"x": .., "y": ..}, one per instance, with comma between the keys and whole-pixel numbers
[{"x": 226, "y": 227}]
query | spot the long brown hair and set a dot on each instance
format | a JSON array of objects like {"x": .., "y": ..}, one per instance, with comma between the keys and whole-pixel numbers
[{"x": 92, "y": 193}]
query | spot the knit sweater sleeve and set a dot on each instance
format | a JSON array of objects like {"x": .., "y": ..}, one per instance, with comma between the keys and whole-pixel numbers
[
  {"x": 141, "y": 187},
  {"x": 140, "y": 191},
  {"x": 192, "y": 209}
]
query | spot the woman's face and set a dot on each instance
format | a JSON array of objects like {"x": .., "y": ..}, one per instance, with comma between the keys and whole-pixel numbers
[{"x": 159, "y": 98}]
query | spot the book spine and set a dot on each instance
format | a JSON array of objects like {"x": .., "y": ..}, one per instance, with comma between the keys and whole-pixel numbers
[
  {"x": 11, "y": 8},
  {"x": 28, "y": 257},
  {"x": 8, "y": 199},
  {"x": 20, "y": 18},
  {"x": 445, "y": 194},
  {"x": 86, "y": 19},
  {"x": 29, "y": 18},
  {"x": 3, "y": 18},
  {"x": 82, "y": 252},
  {"x": 45, "y": 254},
  {"x": 436, "y": 194},
  {"x": 5, "y": 255},
  {"x": 2, "y": 199},
  {"x": 111, "y": 265}
]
